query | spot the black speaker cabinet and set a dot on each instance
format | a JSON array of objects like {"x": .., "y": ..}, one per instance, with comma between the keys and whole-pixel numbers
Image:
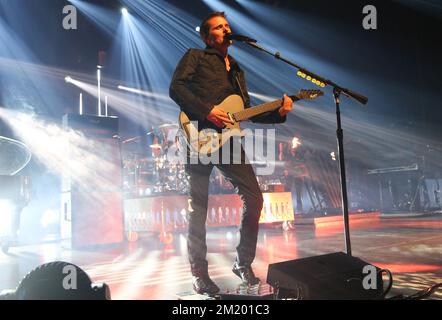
[
  {"x": 335, "y": 276},
  {"x": 91, "y": 219},
  {"x": 92, "y": 126},
  {"x": 92, "y": 204},
  {"x": 95, "y": 154}
]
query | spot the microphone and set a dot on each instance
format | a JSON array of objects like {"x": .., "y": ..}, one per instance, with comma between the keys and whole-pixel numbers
[{"x": 238, "y": 37}]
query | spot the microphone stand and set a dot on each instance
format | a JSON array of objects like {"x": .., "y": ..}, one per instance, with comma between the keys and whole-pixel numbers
[{"x": 337, "y": 91}]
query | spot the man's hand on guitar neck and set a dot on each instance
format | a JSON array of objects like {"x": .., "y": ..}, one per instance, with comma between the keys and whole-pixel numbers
[
  {"x": 287, "y": 105},
  {"x": 219, "y": 117}
]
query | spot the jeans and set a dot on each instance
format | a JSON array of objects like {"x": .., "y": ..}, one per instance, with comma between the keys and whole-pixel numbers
[{"x": 244, "y": 180}]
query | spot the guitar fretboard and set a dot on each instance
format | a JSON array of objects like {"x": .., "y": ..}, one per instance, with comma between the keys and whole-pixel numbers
[{"x": 262, "y": 108}]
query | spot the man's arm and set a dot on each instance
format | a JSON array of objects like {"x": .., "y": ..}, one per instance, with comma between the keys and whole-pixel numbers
[{"x": 179, "y": 91}]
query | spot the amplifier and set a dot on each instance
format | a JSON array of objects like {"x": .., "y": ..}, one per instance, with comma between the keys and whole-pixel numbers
[
  {"x": 91, "y": 125},
  {"x": 335, "y": 276}
]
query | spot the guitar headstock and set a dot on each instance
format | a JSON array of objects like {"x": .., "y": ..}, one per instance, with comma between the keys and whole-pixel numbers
[{"x": 309, "y": 94}]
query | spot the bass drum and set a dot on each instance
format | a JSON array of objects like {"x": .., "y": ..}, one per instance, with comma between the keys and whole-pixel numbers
[{"x": 147, "y": 172}]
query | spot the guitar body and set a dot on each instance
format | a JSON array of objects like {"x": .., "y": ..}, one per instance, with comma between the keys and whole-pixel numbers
[{"x": 205, "y": 137}]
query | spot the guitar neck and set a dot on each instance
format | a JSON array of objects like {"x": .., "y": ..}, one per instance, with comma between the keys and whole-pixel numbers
[{"x": 260, "y": 109}]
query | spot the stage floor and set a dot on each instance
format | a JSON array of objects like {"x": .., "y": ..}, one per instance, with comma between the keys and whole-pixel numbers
[{"x": 410, "y": 246}]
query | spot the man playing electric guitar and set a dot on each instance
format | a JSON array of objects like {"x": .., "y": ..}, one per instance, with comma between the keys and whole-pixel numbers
[{"x": 202, "y": 80}]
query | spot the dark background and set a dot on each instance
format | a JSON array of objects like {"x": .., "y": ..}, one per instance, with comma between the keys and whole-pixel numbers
[{"x": 404, "y": 50}]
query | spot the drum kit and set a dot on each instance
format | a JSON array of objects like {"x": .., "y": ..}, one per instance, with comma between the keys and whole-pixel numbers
[{"x": 157, "y": 167}]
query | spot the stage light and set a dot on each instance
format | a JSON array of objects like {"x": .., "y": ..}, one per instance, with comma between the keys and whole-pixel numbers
[
  {"x": 309, "y": 78},
  {"x": 124, "y": 11},
  {"x": 157, "y": 96},
  {"x": 68, "y": 79},
  {"x": 99, "y": 88},
  {"x": 197, "y": 29},
  {"x": 57, "y": 281},
  {"x": 296, "y": 142},
  {"x": 80, "y": 102}
]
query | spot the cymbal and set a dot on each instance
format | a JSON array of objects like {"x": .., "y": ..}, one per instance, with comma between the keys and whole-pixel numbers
[
  {"x": 168, "y": 126},
  {"x": 131, "y": 139},
  {"x": 163, "y": 127}
]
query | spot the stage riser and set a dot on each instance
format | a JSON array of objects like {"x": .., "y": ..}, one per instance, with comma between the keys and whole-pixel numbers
[{"x": 168, "y": 213}]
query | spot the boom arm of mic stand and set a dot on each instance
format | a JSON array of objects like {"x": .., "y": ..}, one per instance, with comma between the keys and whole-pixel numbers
[{"x": 347, "y": 92}]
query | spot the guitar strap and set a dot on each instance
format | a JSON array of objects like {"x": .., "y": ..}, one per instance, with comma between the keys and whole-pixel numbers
[
  {"x": 238, "y": 82},
  {"x": 240, "y": 88}
]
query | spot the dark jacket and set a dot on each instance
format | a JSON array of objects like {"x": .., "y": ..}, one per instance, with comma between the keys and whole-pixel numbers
[{"x": 201, "y": 81}]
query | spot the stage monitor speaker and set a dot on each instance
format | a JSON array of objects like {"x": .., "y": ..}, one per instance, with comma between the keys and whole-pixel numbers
[{"x": 335, "y": 276}]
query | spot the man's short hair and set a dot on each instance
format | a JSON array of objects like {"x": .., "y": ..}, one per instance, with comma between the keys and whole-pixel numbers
[{"x": 205, "y": 27}]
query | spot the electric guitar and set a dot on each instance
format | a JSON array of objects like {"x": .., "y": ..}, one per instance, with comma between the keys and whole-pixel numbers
[{"x": 205, "y": 137}]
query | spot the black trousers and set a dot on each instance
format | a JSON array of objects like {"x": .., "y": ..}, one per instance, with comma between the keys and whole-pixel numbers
[{"x": 244, "y": 180}]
